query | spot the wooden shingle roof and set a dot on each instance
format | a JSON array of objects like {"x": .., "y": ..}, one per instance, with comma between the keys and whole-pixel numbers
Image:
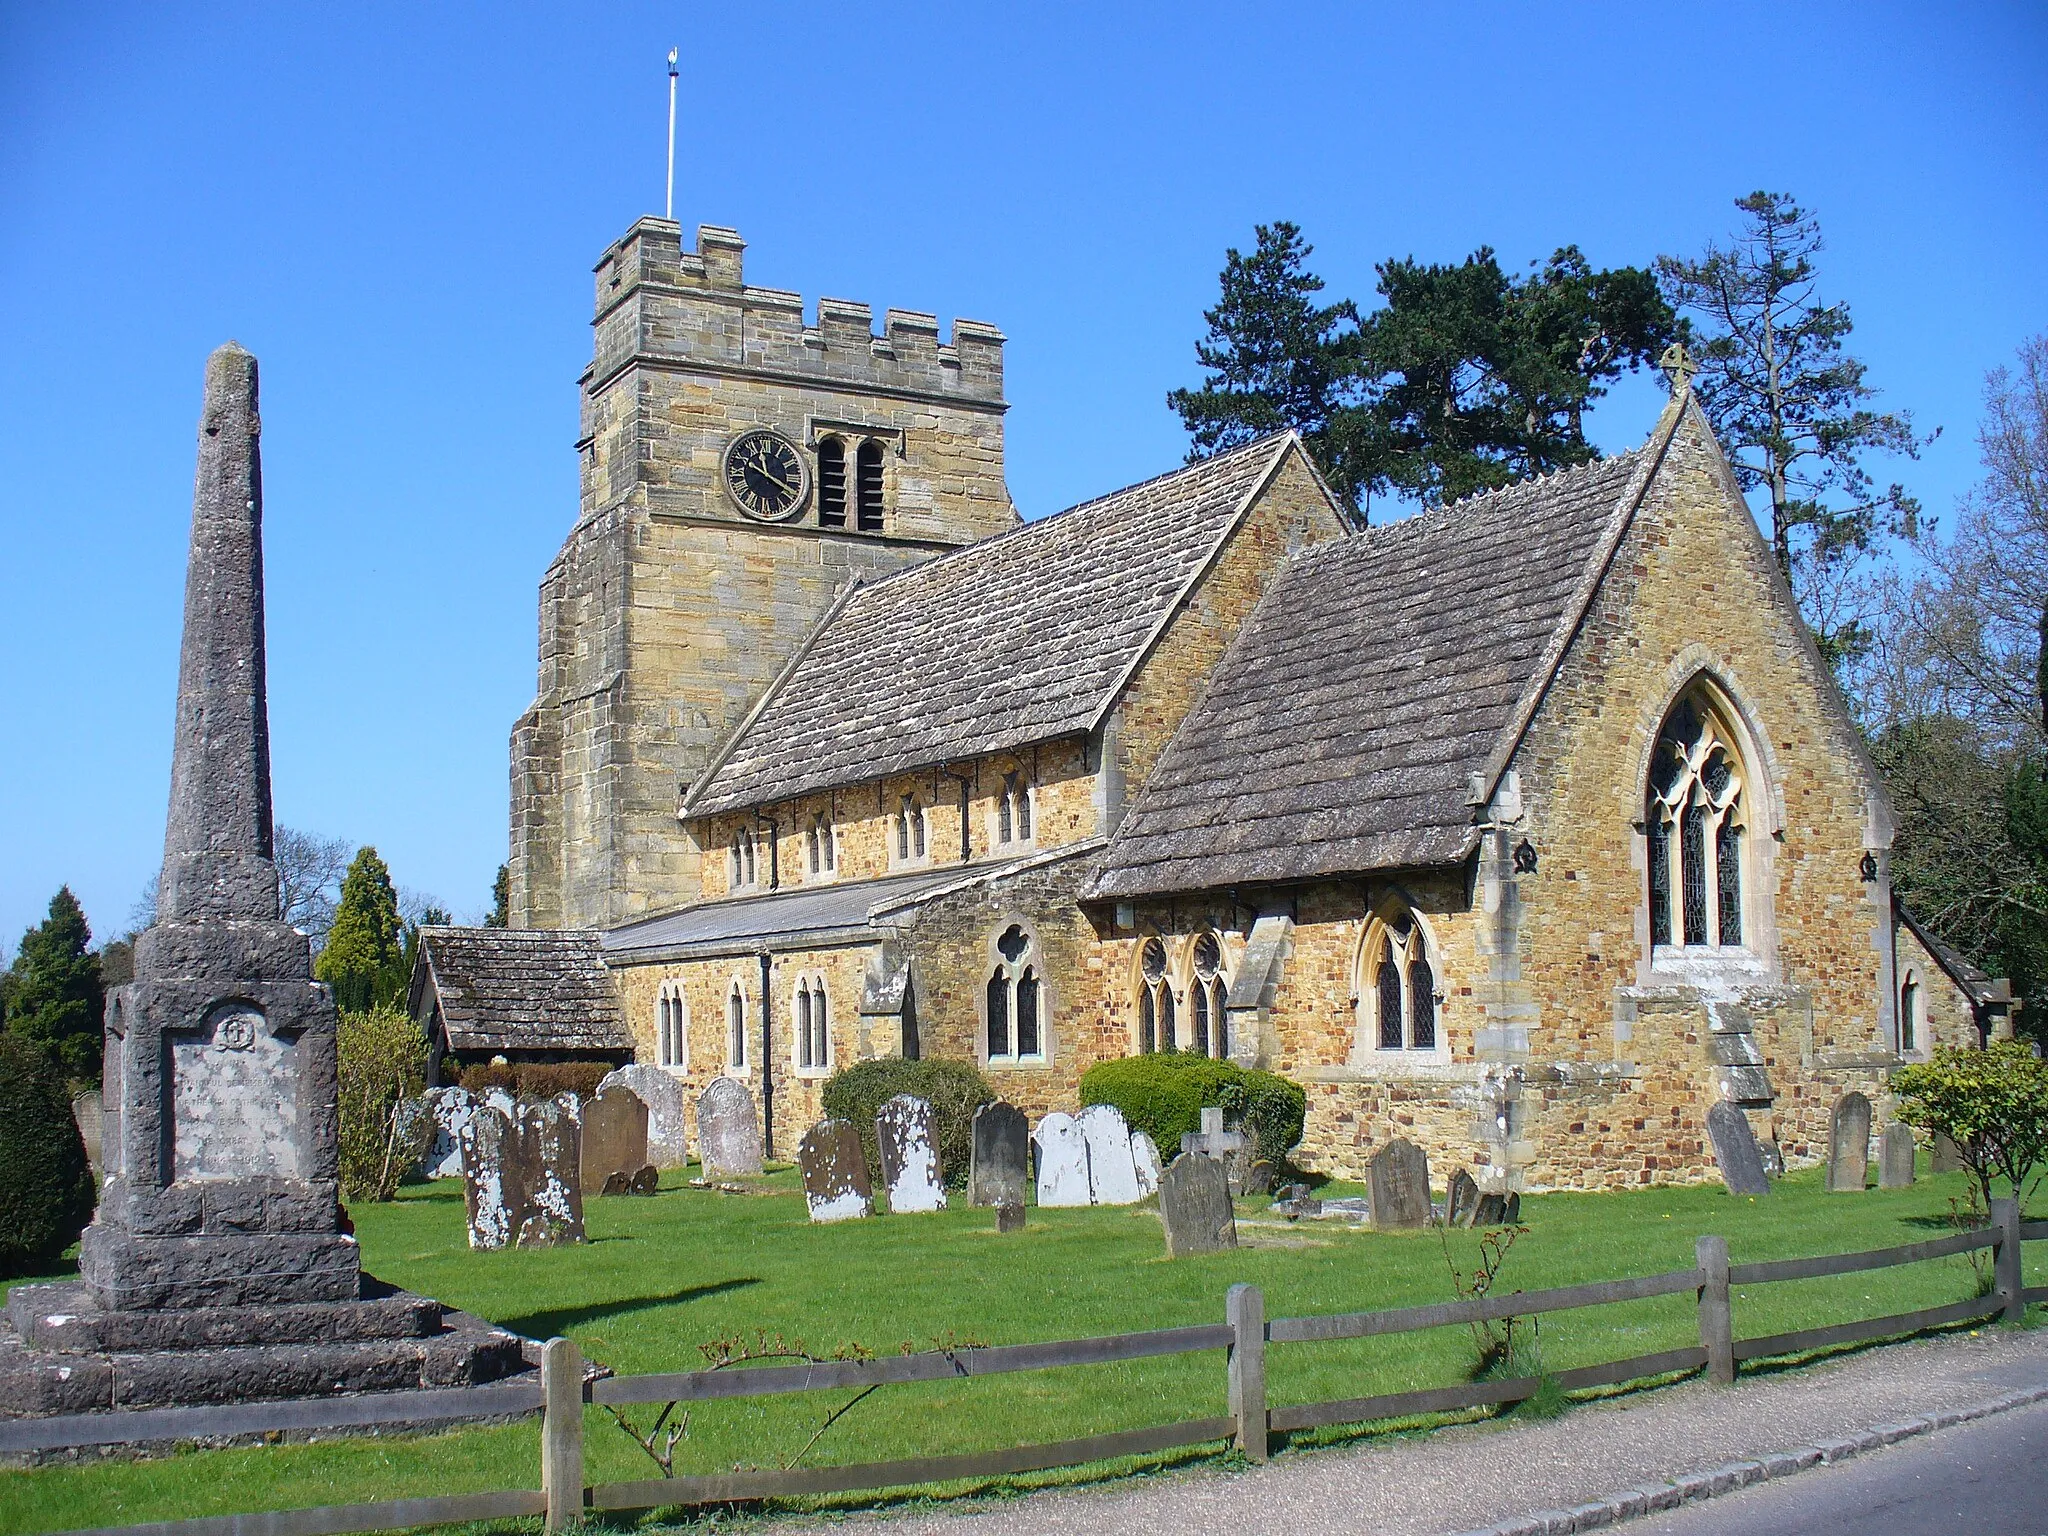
[
  {"x": 1022, "y": 638},
  {"x": 1341, "y": 730},
  {"x": 519, "y": 989}
]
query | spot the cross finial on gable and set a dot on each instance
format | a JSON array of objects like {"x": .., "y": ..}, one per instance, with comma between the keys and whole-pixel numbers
[{"x": 1678, "y": 367}]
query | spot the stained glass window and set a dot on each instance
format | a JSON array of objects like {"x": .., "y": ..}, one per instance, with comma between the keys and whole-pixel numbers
[
  {"x": 1692, "y": 856},
  {"x": 1198, "y": 1004},
  {"x": 1728, "y": 869},
  {"x": 1390, "y": 1005},
  {"x": 1027, "y": 1013},
  {"x": 1421, "y": 1005},
  {"x": 1660, "y": 876},
  {"x": 999, "y": 1013}
]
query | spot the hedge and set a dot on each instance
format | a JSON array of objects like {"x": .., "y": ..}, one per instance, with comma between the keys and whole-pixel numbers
[
  {"x": 536, "y": 1079},
  {"x": 953, "y": 1088},
  {"x": 1163, "y": 1094},
  {"x": 46, "y": 1184}
]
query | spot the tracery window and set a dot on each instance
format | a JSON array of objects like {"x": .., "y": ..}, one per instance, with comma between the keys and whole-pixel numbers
[
  {"x": 910, "y": 830},
  {"x": 1398, "y": 984},
  {"x": 819, "y": 845},
  {"x": 832, "y": 483},
  {"x": 1155, "y": 998},
  {"x": 1014, "y": 1005},
  {"x": 736, "y": 1028},
  {"x": 813, "y": 1025},
  {"x": 740, "y": 859},
  {"x": 867, "y": 487},
  {"x": 1013, "y": 810},
  {"x": 671, "y": 1027},
  {"x": 1696, "y": 824},
  {"x": 1208, "y": 995}
]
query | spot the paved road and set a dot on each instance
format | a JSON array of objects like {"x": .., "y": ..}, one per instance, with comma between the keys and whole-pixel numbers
[{"x": 1986, "y": 1478}]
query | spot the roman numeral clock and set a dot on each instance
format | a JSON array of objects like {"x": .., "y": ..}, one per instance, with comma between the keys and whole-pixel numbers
[{"x": 766, "y": 476}]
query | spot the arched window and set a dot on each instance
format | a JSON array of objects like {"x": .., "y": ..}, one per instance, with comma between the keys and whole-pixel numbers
[
  {"x": 1155, "y": 998},
  {"x": 819, "y": 845},
  {"x": 736, "y": 1028},
  {"x": 1013, "y": 809},
  {"x": 867, "y": 487},
  {"x": 671, "y": 1028},
  {"x": 1015, "y": 999},
  {"x": 813, "y": 1032},
  {"x": 1208, "y": 998},
  {"x": 1696, "y": 826},
  {"x": 740, "y": 860},
  {"x": 832, "y": 483},
  {"x": 1909, "y": 1014},
  {"x": 1397, "y": 994},
  {"x": 910, "y": 830}
]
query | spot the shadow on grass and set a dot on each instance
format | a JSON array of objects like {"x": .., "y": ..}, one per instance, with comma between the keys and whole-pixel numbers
[{"x": 547, "y": 1325}]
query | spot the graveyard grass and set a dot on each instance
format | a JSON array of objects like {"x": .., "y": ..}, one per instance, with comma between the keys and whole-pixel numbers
[{"x": 662, "y": 1276}]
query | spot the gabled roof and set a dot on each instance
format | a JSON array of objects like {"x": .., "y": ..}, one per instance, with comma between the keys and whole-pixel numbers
[
  {"x": 518, "y": 989},
  {"x": 1024, "y": 637},
  {"x": 1377, "y": 677},
  {"x": 1972, "y": 981}
]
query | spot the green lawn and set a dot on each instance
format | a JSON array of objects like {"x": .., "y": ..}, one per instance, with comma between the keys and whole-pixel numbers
[{"x": 662, "y": 1276}]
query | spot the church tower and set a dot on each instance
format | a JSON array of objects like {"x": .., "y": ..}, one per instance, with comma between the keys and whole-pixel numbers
[{"x": 740, "y": 467}]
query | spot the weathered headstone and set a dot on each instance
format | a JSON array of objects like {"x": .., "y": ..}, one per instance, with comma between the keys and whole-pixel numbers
[
  {"x": 1399, "y": 1177},
  {"x": 1501, "y": 1208},
  {"x": 451, "y": 1109},
  {"x": 835, "y": 1171},
  {"x": 1062, "y": 1162},
  {"x": 728, "y": 1130},
  {"x": 614, "y": 1137},
  {"x": 1010, "y": 1216},
  {"x": 1194, "y": 1207},
  {"x": 668, "y": 1136},
  {"x": 646, "y": 1182},
  {"x": 522, "y": 1182},
  {"x": 554, "y": 1207},
  {"x": 1849, "y": 1143},
  {"x": 1258, "y": 1176},
  {"x": 1946, "y": 1156},
  {"x": 87, "y": 1112},
  {"x": 906, "y": 1132},
  {"x": 1461, "y": 1200},
  {"x": 1112, "y": 1165},
  {"x": 1001, "y": 1163},
  {"x": 1895, "y": 1159},
  {"x": 1145, "y": 1155},
  {"x": 1735, "y": 1150}
]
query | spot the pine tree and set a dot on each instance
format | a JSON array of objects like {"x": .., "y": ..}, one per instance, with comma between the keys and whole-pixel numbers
[
  {"x": 364, "y": 957},
  {"x": 55, "y": 998},
  {"x": 501, "y": 899}
]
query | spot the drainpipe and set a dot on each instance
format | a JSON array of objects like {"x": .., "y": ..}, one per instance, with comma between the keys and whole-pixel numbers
[{"x": 767, "y": 1057}]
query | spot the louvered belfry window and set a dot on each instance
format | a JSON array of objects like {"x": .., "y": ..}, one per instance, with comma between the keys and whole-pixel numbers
[
  {"x": 1695, "y": 824},
  {"x": 832, "y": 483},
  {"x": 867, "y": 487}
]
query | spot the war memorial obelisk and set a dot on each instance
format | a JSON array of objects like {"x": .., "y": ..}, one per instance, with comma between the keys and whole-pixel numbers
[{"x": 219, "y": 1265}]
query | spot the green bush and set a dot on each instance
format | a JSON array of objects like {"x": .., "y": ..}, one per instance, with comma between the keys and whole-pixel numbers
[
  {"x": 381, "y": 1061},
  {"x": 536, "y": 1079},
  {"x": 953, "y": 1088},
  {"x": 46, "y": 1186},
  {"x": 1992, "y": 1103},
  {"x": 1164, "y": 1094}
]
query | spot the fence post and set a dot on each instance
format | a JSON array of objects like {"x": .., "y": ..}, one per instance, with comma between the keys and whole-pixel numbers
[
  {"x": 1717, "y": 1313},
  {"x": 2005, "y": 1215},
  {"x": 561, "y": 1431},
  {"x": 1244, "y": 1307}
]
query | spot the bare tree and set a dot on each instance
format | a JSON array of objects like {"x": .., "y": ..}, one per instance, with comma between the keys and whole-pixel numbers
[{"x": 309, "y": 871}]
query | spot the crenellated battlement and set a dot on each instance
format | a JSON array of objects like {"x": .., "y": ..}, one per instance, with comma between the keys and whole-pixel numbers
[{"x": 657, "y": 301}]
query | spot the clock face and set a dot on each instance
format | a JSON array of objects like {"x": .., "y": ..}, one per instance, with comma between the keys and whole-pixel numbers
[{"x": 765, "y": 474}]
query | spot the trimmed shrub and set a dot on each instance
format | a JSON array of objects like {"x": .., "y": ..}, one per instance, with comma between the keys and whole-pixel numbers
[
  {"x": 1164, "y": 1094},
  {"x": 381, "y": 1061},
  {"x": 536, "y": 1079},
  {"x": 954, "y": 1089},
  {"x": 46, "y": 1186}
]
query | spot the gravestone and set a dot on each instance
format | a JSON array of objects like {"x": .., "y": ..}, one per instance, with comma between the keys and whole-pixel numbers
[
  {"x": 90, "y": 1117},
  {"x": 646, "y": 1182},
  {"x": 1736, "y": 1153},
  {"x": 1849, "y": 1144},
  {"x": 1399, "y": 1177},
  {"x": 1001, "y": 1161},
  {"x": 668, "y": 1137},
  {"x": 614, "y": 1137},
  {"x": 1010, "y": 1216},
  {"x": 450, "y": 1109},
  {"x": 1946, "y": 1157},
  {"x": 1258, "y": 1177},
  {"x": 1112, "y": 1165},
  {"x": 1062, "y": 1162},
  {"x": 906, "y": 1132},
  {"x": 728, "y": 1130},
  {"x": 1145, "y": 1155},
  {"x": 1895, "y": 1156},
  {"x": 1499, "y": 1209},
  {"x": 1194, "y": 1207},
  {"x": 1461, "y": 1200},
  {"x": 522, "y": 1174},
  {"x": 835, "y": 1171}
]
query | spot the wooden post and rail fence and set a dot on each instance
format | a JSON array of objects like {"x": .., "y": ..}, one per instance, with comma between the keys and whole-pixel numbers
[{"x": 562, "y": 1391}]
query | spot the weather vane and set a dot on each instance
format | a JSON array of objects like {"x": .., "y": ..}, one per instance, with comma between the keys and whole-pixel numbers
[{"x": 668, "y": 206}]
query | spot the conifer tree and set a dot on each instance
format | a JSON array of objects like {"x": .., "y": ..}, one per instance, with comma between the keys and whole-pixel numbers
[
  {"x": 364, "y": 957},
  {"x": 55, "y": 998},
  {"x": 501, "y": 899}
]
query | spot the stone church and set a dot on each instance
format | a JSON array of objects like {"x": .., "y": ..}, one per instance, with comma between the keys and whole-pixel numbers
[{"x": 1527, "y": 828}]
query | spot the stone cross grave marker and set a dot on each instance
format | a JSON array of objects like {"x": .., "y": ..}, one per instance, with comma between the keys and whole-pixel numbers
[
  {"x": 1400, "y": 1185},
  {"x": 1062, "y": 1162},
  {"x": 1736, "y": 1153},
  {"x": 614, "y": 1137},
  {"x": 1895, "y": 1156},
  {"x": 1112, "y": 1165},
  {"x": 835, "y": 1170},
  {"x": 668, "y": 1141},
  {"x": 1849, "y": 1143},
  {"x": 906, "y": 1132},
  {"x": 1001, "y": 1165},
  {"x": 1194, "y": 1207},
  {"x": 1461, "y": 1200},
  {"x": 1230, "y": 1148},
  {"x": 728, "y": 1130}
]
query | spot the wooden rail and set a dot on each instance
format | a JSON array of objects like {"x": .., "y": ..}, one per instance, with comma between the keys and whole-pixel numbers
[{"x": 1359, "y": 1325}]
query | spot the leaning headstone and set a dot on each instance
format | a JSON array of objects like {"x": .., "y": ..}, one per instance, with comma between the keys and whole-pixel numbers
[
  {"x": 614, "y": 1137},
  {"x": 1947, "y": 1157},
  {"x": 1010, "y": 1216},
  {"x": 1062, "y": 1162},
  {"x": 835, "y": 1171},
  {"x": 1001, "y": 1165},
  {"x": 1112, "y": 1165},
  {"x": 728, "y": 1130},
  {"x": 1461, "y": 1201},
  {"x": 1400, "y": 1185},
  {"x": 1736, "y": 1153},
  {"x": 1849, "y": 1144},
  {"x": 1194, "y": 1207},
  {"x": 906, "y": 1132},
  {"x": 1895, "y": 1156},
  {"x": 87, "y": 1112},
  {"x": 668, "y": 1139},
  {"x": 1145, "y": 1155}
]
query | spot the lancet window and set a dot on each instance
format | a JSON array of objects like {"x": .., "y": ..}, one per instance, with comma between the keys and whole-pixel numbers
[
  {"x": 1398, "y": 984},
  {"x": 910, "y": 830},
  {"x": 1208, "y": 993},
  {"x": 813, "y": 1025},
  {"x": 819, "y": 845},
  {"x": 1155, "y": 999},
  {"x": 741, "y": 867},
  {"x": 1909, "y": 1014},
  {"x": 736, "y": 1028},
  {"x": 1013, "y": 810},
  {"x": 671, "y": 1027},
  {"x": 1014, "y": 1008},
  {"x": 1696, "y": 824}
]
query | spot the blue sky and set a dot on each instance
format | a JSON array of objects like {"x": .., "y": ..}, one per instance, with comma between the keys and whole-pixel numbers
[{"x": 397, "y": 208}]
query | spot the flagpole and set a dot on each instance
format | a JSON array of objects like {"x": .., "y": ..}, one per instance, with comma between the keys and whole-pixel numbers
[{"x": 669, "y": 205}]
